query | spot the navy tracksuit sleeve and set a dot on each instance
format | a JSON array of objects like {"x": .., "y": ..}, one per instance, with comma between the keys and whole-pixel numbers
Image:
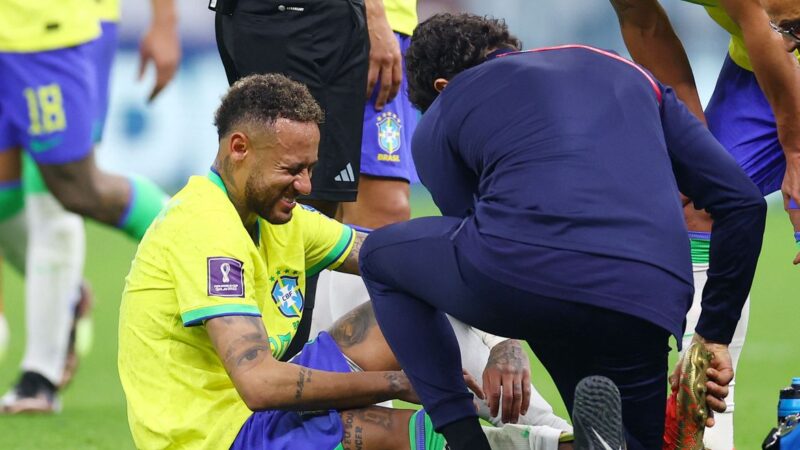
[
  {"x": 708, "y": 175},
  {"x": 453, "y": 186}
]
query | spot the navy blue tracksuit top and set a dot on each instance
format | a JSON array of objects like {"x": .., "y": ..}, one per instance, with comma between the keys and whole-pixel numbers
[{"x": 566, "y": 164}]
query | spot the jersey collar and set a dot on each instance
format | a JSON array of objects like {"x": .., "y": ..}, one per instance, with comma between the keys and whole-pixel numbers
[{"x": 213, "y": 175}]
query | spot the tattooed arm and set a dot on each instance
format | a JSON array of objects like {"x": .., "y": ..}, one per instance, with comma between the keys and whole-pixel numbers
[
  {"x": 350, "y": 264},
  {"x": 653, "y": 43},
  {"x": 266, "y": 383},
  {"x": 508, "y": 367}
]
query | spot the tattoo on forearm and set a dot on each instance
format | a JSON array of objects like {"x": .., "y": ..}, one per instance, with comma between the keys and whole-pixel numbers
[
  {"x": 394, "y": 381},
  {"x": 508, "y": 353},
  {"x": 359, "y": 241},
  {"x": 354, "y": 326},
  {"x": 250, "y": 345},
  {"x": 353, "y": 437},
  {"x": 303, "y": 378},
  {"x": 350, "y": 264}
]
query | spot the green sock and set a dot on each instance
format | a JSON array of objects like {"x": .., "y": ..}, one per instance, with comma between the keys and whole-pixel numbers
[
  {"x": 700, "y": 242},
  {"x": 12, "y": 199},
  {"x": 421, "y": 433},
  {"x": 32, "y": 181},
  {"x": 144, "y": 205}
]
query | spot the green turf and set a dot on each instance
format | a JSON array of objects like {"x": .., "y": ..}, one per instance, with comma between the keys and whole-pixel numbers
[{"x": 94, "y": 407}]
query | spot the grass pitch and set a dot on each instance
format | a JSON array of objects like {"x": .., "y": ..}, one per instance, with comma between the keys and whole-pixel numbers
[{"x": 94, "y": 414}]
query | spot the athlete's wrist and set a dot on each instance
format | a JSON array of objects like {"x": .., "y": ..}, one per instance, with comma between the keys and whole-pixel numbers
[{"x": 709, "y": 344}]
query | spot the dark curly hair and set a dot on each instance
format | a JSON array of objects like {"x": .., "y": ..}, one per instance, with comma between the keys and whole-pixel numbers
[
  {"x": 446, "y": 45},
  {"x": 264, "y": 99}
]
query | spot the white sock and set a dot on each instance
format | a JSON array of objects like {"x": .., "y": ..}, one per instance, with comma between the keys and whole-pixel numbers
[
  {"x": 719, "y": 437},
  {"x": 56, "y": 254},
  {"x": 522, "y": 437},
  {"x": 339, "y": 293}
]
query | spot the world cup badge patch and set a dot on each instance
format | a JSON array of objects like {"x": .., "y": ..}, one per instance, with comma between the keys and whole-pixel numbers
[
  {"x": 225, "y": 277},
  {"x": 287, "y": 296},
  {"x": 389, "y": 137}
]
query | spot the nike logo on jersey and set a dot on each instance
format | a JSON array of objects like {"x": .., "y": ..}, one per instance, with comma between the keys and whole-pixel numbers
[{"x": 43, "y": 145}]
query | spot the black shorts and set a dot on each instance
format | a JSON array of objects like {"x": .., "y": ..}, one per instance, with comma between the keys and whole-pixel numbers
[{"x": 321, "y": 43}]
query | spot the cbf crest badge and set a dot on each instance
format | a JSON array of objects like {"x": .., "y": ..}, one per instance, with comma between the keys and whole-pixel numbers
[
  {"x": 287, "y": 296},
  {"x": 389, "y": 137}
]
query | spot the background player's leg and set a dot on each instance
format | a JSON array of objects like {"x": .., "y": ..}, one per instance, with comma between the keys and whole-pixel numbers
[
  {"x": 721, "y": 436},
  {"x": 128, "y": 203},
  {"x": 381, "y": 201},
  {"x": 56, "y": 254}
]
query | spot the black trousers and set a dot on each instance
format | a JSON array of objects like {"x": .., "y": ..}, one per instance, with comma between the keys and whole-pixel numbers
[
  {"x": 415, "y": 275},
  {"x": 323, "y": 44}
]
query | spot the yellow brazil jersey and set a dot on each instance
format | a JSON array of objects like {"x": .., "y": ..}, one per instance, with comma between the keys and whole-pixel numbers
[
  {"x": 402, "y": 15},
  {"x": 196, "y": 262},
  {"x": 736, "y": 48},
  {"x": 39, "y": 25},
  {"x": 107, "y": 10}
]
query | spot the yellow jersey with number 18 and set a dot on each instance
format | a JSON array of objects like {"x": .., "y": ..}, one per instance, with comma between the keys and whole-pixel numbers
[
  {"x": 197, "y": 262},
  {"x": 28, "y": 26}
]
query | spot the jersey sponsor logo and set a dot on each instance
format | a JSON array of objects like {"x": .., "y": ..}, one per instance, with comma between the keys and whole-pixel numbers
[
  {"x": 389, "y": 137},
  {"x": 43, "y": 145},
  {"x": 225, "y": 277},
  {"x": 287, "y": 296}
]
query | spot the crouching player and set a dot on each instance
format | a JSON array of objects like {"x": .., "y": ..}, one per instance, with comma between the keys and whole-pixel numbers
[{"x": 216, "y": 291}]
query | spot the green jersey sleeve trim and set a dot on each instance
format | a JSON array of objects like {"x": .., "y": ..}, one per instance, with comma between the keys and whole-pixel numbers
[
  {"x": 198, "y": 316},
  {"x": 336, "y": 252}
]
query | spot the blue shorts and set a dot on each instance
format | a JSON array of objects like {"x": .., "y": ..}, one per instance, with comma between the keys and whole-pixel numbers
[
  {"x": 102, "y": 52},
  {"x": 740, "y": 117},
  {"x": 293, "y": 430},
  {"x": 47, "y": 103},
  {"x": 386, "y": 138}
]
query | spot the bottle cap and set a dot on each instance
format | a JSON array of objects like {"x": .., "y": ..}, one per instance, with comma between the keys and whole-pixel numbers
[{"x": 796, "y": 381}]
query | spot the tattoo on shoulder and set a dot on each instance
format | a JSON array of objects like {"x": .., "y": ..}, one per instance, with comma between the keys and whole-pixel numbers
[
  {"x": 303, "y": 378},
  {"x": 354, "y": 326}
]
